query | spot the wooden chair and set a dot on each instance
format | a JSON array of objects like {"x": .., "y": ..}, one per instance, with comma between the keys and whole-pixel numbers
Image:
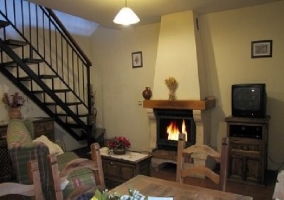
[
  {"x": 58, "y": 177},
  {"x": 184, "y": 154},
  {"x": 33, "y": 190}
]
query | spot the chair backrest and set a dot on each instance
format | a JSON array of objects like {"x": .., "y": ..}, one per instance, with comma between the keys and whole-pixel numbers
[
  {"x": 33, "y": 190},
  {"x": 184, "y": 154},
  {"x": 58, "y": 177}
]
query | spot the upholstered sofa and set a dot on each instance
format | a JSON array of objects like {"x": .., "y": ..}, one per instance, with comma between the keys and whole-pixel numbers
[{"x": 22, "y": 148}]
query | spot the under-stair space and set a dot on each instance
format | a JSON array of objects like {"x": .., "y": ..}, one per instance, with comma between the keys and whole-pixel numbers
[{"x": 41, "y": 58}]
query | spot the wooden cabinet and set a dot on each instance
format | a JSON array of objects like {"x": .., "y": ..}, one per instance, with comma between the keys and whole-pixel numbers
[
  {"x": 41, "y": 126},
  {"x": 248, "y": 149},
  {"x": 118, "y": 170}
]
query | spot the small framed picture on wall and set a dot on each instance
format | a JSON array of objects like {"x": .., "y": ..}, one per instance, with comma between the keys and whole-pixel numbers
[
  {"x": 137, "y": 60},
  {"x": 261, "y": 49}
]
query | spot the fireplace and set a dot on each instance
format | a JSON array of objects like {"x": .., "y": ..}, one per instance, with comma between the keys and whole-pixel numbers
[
  {"x": 195, "y": 113},
  {"x": 172, "y": 122}
]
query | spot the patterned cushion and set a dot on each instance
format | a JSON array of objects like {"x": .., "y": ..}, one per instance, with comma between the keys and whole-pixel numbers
[
  {"x": 76, "y": 178},
  {"x": 17, "y": 133},
  {"x": 21, "y": 154}
]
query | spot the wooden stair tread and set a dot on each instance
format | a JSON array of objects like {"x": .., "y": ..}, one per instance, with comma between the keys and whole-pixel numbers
[
  {"x": 3, "y": 23},
  {"x": 67, "y": 103},
  {"x": 25, "y": 60},
  {"x": 55, "y": 91},
  {"x": 79, "y": 115},
  {"x": 15, "y": 43},
  {"x": 24, "y": 78},
  {"x": 48, "y": 76},
  {"x": 33, "y": 60}
]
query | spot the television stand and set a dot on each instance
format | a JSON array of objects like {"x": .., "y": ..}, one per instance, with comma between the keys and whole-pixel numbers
[{"x": 247, "y": 149}]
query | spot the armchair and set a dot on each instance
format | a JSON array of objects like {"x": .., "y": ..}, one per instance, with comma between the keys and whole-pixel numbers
[{"x": 22, "y": 149}]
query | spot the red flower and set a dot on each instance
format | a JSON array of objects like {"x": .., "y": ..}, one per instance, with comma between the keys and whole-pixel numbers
[{"x": 119, "y": 142}]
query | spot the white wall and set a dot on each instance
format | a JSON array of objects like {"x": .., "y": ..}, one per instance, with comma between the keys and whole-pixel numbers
[{"x": 226, "y": 38}]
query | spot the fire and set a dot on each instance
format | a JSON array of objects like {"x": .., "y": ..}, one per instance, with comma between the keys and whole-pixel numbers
[{"x": 173, "y": 131}]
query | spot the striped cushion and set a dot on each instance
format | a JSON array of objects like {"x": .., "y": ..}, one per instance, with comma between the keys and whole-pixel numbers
[
  {"x": 17, "y": 133},
  {"x": 76, "y": 178}
]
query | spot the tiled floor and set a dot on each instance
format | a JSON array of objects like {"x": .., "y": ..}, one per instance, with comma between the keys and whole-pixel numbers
[{"x": 258, "y": 192}]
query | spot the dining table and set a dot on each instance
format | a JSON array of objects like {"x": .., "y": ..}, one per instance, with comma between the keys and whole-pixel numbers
[{"x": 156, "y": 187}]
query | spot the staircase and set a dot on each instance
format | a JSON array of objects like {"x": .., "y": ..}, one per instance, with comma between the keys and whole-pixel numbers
[{"x": 41, "y": 58}]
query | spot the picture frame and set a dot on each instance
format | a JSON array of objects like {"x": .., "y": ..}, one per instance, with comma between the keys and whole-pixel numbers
[
  {"x": 261, "y": 49},
  {"x": 137, "y": 60}
]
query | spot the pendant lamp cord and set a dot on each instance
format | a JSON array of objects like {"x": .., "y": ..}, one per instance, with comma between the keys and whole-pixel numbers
[{"x": 125, "y": 3}]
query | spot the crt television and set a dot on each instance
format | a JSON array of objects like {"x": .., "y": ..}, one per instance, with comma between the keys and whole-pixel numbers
[{"x": 249, "y": 100}]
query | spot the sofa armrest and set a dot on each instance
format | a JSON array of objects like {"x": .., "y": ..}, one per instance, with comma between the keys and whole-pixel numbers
[{"x": 21, "y": 154}]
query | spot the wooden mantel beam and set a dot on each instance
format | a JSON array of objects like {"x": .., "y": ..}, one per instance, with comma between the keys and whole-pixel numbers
[{"x": 180, "y": 104}]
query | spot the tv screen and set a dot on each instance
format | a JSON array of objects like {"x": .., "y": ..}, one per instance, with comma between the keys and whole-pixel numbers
[{"x": 249, "y": 100}]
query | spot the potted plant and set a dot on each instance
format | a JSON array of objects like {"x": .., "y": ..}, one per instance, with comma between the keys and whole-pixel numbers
[
  {"x": 119, "y": 144},
  {"x": 13, "y": 103}
]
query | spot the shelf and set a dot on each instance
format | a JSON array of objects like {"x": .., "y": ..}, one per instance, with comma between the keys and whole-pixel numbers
[{"x": 180, "y": 104}]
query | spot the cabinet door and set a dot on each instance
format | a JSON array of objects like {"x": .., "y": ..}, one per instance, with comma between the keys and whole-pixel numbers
[
  {"x": 254, "y": 169},
  {"x": 111, "y": 170},
  {"x": 44, "y": 127},
  {"x": 127, "y": 172},
  {"x": 237, "y": 167}
]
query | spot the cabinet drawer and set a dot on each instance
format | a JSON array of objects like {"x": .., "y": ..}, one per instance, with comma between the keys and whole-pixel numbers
[
  {"x": 118, "y": 171},
  {"x": 44, "y": 128},
  {"x": 246, "y": 147}
]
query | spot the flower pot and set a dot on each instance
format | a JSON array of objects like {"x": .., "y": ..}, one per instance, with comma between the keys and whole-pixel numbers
[
  {"x": 15, "y": 113},
  {"x": 119, "y": 151}
]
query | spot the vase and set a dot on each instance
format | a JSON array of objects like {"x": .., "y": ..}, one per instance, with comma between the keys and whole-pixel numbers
[
  {"x": 147, "y": 93},
  {"x": 172, "y": 95},
  {"x": 119, "y": 151},
  {"x": 15, "y": 113}
]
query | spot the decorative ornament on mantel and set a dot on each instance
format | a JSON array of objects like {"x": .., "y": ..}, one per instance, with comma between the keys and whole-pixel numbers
[
  {"x": 172, "y": 85},
  {"x": 147, "y": 93}
]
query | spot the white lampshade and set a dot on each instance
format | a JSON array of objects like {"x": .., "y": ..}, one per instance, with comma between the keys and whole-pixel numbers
[{"x": 126, "y": 16}]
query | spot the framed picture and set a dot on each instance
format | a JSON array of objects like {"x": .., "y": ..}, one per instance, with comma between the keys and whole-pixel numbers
[
  {"x": 261, "y": 48},
  {"x": 137, "y": 60}
]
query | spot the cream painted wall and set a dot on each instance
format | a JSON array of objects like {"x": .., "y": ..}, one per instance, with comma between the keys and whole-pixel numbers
[
  {"x": 227, "y": 40},
  {"x": 119, "y": 85},
  {"x": 177, "y": 57},
  {"x": 226, "y": 37}
]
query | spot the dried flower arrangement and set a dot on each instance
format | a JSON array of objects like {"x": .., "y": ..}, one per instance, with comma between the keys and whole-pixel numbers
[
  {"x": 172, "y": 85},
  {"x": 119, "y": 142},
  {"x": 14, "y": 101}
]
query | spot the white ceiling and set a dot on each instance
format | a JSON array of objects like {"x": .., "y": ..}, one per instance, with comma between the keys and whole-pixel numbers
[{"x": 149, "y": 11}]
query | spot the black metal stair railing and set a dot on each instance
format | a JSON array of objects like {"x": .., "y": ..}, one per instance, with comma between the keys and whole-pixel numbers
[{"x": 44, "y": 61}]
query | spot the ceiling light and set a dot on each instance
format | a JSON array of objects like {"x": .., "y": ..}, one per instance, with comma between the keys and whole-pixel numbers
[{"x": 126, "y": 16}]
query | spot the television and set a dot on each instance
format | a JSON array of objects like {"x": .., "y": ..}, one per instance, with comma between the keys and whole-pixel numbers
[{"x": 249, "y": 100}]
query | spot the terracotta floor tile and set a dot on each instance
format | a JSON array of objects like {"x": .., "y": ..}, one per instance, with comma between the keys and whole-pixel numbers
[{"x": 258, "y": 192}]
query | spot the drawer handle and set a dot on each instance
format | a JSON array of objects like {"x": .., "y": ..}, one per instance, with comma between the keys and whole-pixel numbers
[{"x": 111, "y": 163}]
